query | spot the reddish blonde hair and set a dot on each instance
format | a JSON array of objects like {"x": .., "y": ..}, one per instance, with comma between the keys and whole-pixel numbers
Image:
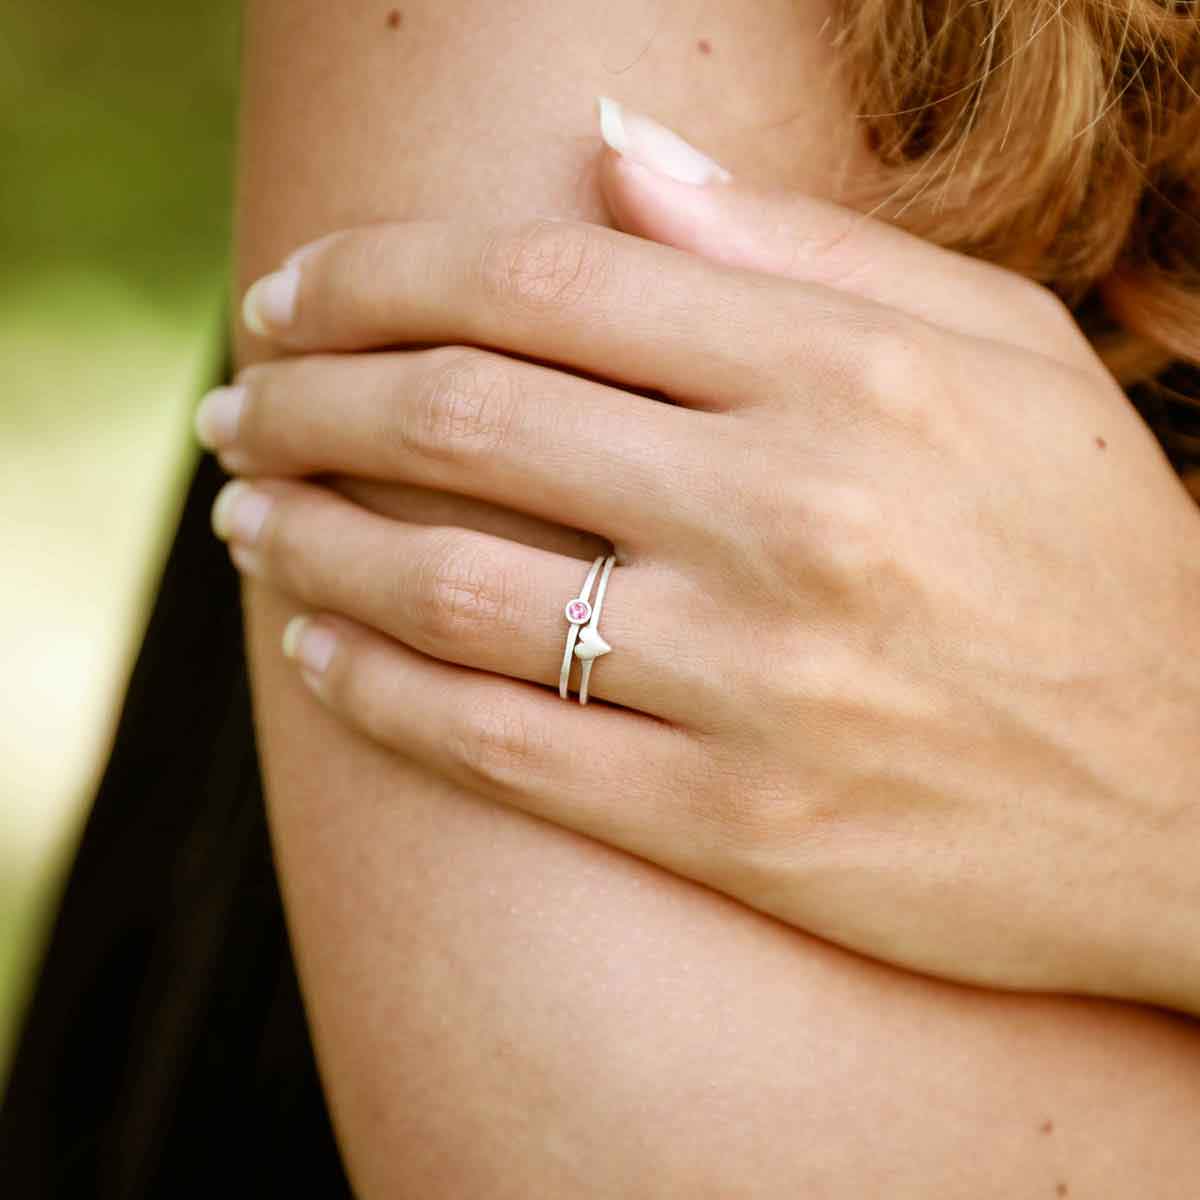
[{"x": 1061, "y": 139}]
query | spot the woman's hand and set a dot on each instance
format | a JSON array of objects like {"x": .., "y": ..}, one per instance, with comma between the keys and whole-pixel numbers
[{"x": 904, "y": 620}]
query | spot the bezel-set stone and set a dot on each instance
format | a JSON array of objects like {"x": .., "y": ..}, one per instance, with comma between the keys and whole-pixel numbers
[{"x": 578, "y": 611}]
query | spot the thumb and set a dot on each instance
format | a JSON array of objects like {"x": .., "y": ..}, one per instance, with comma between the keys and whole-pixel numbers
[{"x": 659, "y": 187}]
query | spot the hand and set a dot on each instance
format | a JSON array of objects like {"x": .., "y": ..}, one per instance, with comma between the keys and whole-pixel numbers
[{"x": 904, "y": 620}]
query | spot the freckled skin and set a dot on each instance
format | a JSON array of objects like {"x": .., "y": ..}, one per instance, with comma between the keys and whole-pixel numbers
[
  {"x": 1062, "y": 1190},
  {"x": 395, "y": 19}
]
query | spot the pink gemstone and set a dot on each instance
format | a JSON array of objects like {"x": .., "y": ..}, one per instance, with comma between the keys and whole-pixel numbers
[{"x": 578, "y": 611}]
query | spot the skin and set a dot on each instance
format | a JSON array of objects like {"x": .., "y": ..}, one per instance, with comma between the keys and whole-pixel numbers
[
  {"x": 501, "y": 1006},
  {"x": 924, "y": 744}
]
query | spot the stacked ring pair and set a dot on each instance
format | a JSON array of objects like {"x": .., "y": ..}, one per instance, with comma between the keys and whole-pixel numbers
[{"x": 583, "y": 638}]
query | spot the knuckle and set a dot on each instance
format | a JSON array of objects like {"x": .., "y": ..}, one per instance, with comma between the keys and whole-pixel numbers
[
  {"x": 848, "y": 533},
  {"x": 843, "y": 538},
  {"x": 892, "y": 372},
  {"x": 494, "y": 742},
  {"x": 463, "y": 408},
  {"x": 541, "y": 267},
  {"x": 461, "y": 590}
]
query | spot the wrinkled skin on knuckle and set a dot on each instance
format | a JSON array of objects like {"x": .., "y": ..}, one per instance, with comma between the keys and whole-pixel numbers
[
  {"x": 494, "y": 744},
  {"x": 462, "y": 595},
  {"x": 541, "y": 268},
  {"x": 463, "y": 407}
]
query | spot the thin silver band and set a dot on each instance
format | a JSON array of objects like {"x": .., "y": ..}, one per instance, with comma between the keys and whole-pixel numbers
[
  {"x": 586, "y": 673},
  {"x": 565, "y": 676}
]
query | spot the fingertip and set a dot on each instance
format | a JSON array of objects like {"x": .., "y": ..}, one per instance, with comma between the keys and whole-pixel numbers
[
  {"x": 647, "y": 204},
  {"x": 640, "y": 137},
  {"x": 309, "y": 645},
  {"x": 218, "y": 416},
  {"x": 269, "y": 305},
  {"x": 291, "y": 635}
]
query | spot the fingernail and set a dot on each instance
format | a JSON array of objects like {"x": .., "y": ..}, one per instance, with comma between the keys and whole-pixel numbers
[
  {"x": 645, "y": 141},
  {"x": 302, "y": 252},
  {"x": 270, "y": 303},
  {"x": 239, "y": 512},
  {"x": 218, "y": 416},
  {"x": 310, "y": 645}
]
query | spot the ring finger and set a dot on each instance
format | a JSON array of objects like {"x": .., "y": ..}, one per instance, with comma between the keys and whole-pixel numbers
[{"x": 467, "y": 597}]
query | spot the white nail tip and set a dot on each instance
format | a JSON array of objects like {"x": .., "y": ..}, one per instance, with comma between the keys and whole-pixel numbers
[
  {"x": 291, "y": 636},
  {"x": 645, "y": 141},
  {"x": 612, "y": 127},
  {"x": 250, "y": 315},
  {"x": 270, "y": 303}
]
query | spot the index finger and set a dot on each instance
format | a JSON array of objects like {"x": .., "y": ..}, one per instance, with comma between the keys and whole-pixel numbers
[{"x": 565, "y": 292}]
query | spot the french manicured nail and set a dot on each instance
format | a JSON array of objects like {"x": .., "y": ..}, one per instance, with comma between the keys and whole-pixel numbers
[
  {"x": 239, "y": 512},
  {"x": 645, "y": 141},
  {"x": 270, "y": 304},
  {"x": 309, "y": 645},
  {"x": 302, "y": 252},
  {"x": 218, "y": 417}
]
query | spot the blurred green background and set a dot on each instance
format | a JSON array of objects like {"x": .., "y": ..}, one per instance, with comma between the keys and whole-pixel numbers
[{"x": 116, "y": 155}]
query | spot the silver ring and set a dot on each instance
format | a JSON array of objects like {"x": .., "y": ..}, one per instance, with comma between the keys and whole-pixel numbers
[
  {"x": 577, "y": 611},
  {"x": 591, "y": 645},
  {"x": 583, "y": 638}
]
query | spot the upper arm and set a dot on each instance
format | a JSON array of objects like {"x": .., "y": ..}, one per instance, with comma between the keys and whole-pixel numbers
[{"x": 499, "y": 1006}]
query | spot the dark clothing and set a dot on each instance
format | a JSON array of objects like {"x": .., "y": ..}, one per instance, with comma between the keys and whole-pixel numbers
[{"x": 165, "y": 1052}]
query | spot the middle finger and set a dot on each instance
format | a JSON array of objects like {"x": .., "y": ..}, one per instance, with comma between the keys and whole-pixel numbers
[{"x": 480, "y": 424}]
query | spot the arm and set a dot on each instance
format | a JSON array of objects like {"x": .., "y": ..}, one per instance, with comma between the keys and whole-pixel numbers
[{"x": 494, "y": 998}]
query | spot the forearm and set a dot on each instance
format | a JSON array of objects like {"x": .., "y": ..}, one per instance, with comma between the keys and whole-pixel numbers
[{"x": 503, "y": 1008}]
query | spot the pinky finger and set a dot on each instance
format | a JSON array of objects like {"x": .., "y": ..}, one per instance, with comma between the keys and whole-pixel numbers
[{"x": 607, "y": 772}]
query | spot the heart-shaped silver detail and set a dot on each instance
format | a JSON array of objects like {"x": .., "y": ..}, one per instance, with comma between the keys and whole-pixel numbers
[{"x": 590, "y": 644}]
